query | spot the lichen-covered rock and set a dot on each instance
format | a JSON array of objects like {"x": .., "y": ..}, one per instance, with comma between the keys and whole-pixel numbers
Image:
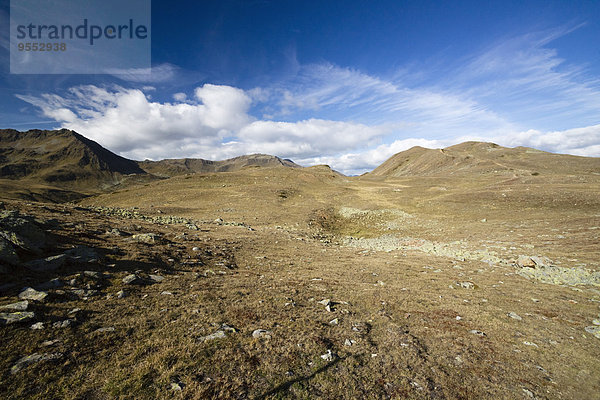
[
  {"x": 30, "y": 293},
  {"x": 31, "y": 359},
  {"x": 19, "y": 306},
  {"x": 19, "y": 316},
  {"x": 133, "y": 279},
  {"x": 562, "y": 275},
  {"x": 533, "y": 262},
  {"x": 22, "y": 231},
  {"x": 148, "y": 238}
]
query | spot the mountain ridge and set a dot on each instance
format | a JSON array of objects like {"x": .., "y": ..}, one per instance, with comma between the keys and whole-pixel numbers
[{"x": 482, "y": 158}]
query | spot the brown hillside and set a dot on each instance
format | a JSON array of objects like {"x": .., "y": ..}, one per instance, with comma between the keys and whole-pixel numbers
[
  {"x": 483, "y": 158},
  {"x": 174, "y": 167},
  {"x": 58, "y": 164}
]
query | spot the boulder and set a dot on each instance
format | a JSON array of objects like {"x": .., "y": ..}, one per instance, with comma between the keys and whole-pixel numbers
[
  {"x": 533, "y": 262},
  {"x": 31, "y": 359},
  {"x": 30, "y": 293},
  {"x": 148, "y": 238},
  {"x": 22, "y": 231},
  {"x": 8, "y": 254},
  {"x": 133, "y": 279},
  {"x": 47, "y": 264},
  {"x": 19, "y": 316},
  {"x": 19, "y": 306}
]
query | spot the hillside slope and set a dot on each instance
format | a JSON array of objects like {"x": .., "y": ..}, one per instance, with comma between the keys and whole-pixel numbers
[
  {"x": 50, "y": 164},
  {"x": 483, "y": 158},
  {"x": 174, "y": 167}
]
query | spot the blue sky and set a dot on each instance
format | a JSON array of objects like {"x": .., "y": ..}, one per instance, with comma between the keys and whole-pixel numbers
[{"x": 347, "y": 83}]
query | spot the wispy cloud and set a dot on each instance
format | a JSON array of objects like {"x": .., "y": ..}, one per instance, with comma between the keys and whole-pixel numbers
[
  {"x": 525, "y": 78},
  {"x": 515, "y": 92},
  {"x": 158, "y": 73}
]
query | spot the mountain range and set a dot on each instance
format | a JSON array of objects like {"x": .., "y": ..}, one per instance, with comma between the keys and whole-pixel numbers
[{"x": 63, "y": 165}]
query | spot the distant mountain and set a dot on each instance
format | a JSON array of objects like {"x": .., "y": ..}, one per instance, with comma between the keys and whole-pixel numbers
[
  {"x": 483, "y": 158},
  {"x": 63, "y": 165},
  {"x": 174, "y": 167},
  {"x": 59, "y": 161}
]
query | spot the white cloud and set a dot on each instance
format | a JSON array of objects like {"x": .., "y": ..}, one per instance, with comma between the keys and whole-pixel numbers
[
  {"x": 180, "y": 97},
  {"x": 124, "y": 120},
  {"x": 527, "y": 79},
  {"x": 583, "y": 141},
  {"x": 158, "y": 73},
  {"x": 516, "y": 92},
  {"x": 215, "y": 125},
  {"x": 429, "y": 112}
]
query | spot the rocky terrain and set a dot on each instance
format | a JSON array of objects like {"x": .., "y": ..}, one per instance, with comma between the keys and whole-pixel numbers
[{"x": 268, "y": 282}]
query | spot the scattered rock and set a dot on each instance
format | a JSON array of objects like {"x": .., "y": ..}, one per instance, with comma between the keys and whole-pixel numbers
[
  {"x": 165, "y": 293},
  {"x": 334, "y": 322},
  {"x": 30, "y": 293},
  {"x": 51, "y": 284},
  {"x": 62, "y": 324},
  {"x": 47, "y": 264},
  {"x": 261, "y": 334},
  {"x": 528, "y": 393},
  {"x": 533, "y": 262},
  {"x": 228, "y": 328},
  {"x": 466, "y": 285},
  {"x": 156, "y": 278},
  {"x": 93, "y": 274},
  {"x": 349, "y": 342},
  {"x": 148, "y": 238},
  {"x": 84, "y": 293},
  {"x": 594, "y": 330},
  {"x": 22, "y": 231},
  {"x": 121, "y": 294},
  {"x": 530, "y": 344},
  {"x": 19, "y": 316},
  {"x": 19, "y": 306},
  {"x": 476, "y": 332},
  {"x": 133, "y": 280},
  {"x": 217, "y": 335},
  {"x": 115, "y": 232},
  {"x": 562, "y": 275},
  {"x": 328, "y": 304},
  {"x": 177, "y": 386},
  {"x": 329, "y": 356},
  {"x": 34, "y": 358},
  {"x": 83, "y": 254},
  {"x": 37, "y": 326},
  {"x": 514, "y": 316},
  {"x": 106, "y": 329}
]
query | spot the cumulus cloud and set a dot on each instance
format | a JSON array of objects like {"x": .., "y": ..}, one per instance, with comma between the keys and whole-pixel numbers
[
  {"x": 215, "y": 124},
  {"x": 125, "y": 121},
  {"x": 583, "y": 141}
]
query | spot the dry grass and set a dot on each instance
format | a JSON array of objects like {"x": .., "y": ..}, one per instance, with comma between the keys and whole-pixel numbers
[{"x": 397, "y": 307}]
